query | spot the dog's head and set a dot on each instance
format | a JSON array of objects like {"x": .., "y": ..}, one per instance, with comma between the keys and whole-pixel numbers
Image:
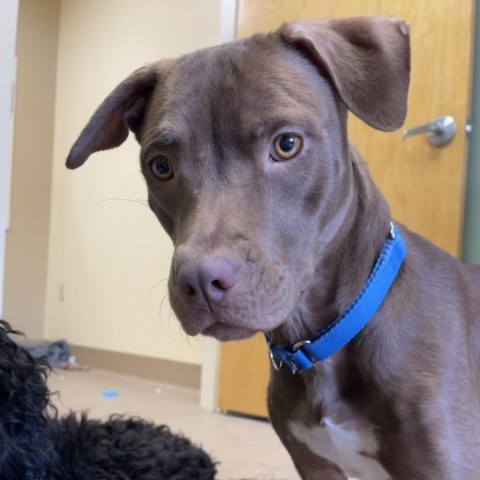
[{"x": 244, "y": 151}]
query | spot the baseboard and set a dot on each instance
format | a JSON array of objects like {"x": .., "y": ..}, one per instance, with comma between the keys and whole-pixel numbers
[{"x": 156, "y": 369}]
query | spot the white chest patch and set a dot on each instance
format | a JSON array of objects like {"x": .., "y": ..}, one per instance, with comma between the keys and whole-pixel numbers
[{"x": 342, "y": 447}]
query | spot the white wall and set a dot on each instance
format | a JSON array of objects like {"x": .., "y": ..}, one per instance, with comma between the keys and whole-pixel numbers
[
  {"x": 108, "y": 257},
  {"x": 8, "y": 29}
]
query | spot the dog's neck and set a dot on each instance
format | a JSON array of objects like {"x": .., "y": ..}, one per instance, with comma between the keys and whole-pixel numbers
[{"x": 345, "y": 263}]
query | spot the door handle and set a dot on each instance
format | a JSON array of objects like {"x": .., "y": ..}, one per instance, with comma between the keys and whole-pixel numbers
[{"x": 440, "y": 131}]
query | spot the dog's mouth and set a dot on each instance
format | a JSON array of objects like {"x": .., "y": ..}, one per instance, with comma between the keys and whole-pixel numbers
[
  {"x": 254, "y": 297},
  {"x": 233, "y": 324}
]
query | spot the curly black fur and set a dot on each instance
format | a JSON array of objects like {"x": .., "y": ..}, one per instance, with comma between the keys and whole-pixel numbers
[
  {"x": 126, "y": 448},
  {"x": 25, "y": 448},
  {"x": 37, "y": 445}
]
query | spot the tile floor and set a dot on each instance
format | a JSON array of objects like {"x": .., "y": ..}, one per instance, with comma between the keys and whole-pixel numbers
[{"x": 246, "y": 449}]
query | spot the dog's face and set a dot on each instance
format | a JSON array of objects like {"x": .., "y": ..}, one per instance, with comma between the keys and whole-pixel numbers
[
  {"x": 246, "y": 169},
  {"x": 244, "y": 151}
]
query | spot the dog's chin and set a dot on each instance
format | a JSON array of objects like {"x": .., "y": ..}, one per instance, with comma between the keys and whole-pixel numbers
[
  {"x": 222, "y": 331},
  {"x": 225, "y": 332}
]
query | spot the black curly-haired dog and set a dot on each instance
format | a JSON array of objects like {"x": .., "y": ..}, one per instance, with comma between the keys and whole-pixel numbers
[{"x": 36, "y": 444}]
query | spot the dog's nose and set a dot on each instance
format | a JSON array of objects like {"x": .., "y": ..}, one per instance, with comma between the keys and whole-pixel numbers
[{"x": 207, "y": 280}]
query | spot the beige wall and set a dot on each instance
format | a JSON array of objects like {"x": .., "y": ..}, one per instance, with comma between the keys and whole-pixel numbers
[
  {"x": 108, "y": 257},
  {"x": 27, "y": 237}
]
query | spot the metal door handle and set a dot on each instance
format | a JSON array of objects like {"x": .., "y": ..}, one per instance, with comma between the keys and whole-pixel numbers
[{"x": 440, "y": 131}]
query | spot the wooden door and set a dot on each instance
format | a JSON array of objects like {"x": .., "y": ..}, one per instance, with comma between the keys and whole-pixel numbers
[{"x": 424, "y": 185}]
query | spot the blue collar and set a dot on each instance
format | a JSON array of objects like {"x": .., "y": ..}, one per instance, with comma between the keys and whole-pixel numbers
[{"x": 328, "y": 341}]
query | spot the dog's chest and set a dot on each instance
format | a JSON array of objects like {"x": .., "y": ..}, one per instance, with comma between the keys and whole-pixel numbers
[{"x": 352, "y": 449}]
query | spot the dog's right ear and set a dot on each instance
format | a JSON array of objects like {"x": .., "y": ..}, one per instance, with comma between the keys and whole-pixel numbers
[
  {"x": 122, "y": 110},
  {"x": 367, "y": 60}
]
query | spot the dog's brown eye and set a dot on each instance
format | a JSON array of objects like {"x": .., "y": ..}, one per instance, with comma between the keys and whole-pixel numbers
[
  {"x": 286, "y": 146},
  {"x": 162, "y": 168}
]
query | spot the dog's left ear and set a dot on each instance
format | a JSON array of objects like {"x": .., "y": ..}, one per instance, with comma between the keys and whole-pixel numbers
[
  {"x": 367, "y": 60},
  {"x": 121, "y": 111}
]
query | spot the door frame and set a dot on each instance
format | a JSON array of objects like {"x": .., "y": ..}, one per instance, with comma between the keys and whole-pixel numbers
[
  {"x": 471, "y": 225},
  {"x": 8, "y": 27}
]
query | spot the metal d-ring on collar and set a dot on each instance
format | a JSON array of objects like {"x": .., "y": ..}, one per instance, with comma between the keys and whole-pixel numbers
[
  {"x": 278, "y": 366},
  {"x": 302, "y": 355}
]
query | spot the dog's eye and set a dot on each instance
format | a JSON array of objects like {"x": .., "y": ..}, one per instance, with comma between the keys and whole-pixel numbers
[
  {"x": 162, "y": 168},
  {"x": 285, "y": 147}
]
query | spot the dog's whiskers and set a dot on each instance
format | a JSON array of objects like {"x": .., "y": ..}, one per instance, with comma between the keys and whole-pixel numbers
[
  {"x": 164, "y": 254},
  {"x": 160, "y": 307},
  {"x": 133, "y": 200},
  {"x": 154, "y": 288}
]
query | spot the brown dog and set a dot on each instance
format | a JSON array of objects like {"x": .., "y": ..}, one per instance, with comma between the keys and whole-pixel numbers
[{"x": 277, "y": 226}]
